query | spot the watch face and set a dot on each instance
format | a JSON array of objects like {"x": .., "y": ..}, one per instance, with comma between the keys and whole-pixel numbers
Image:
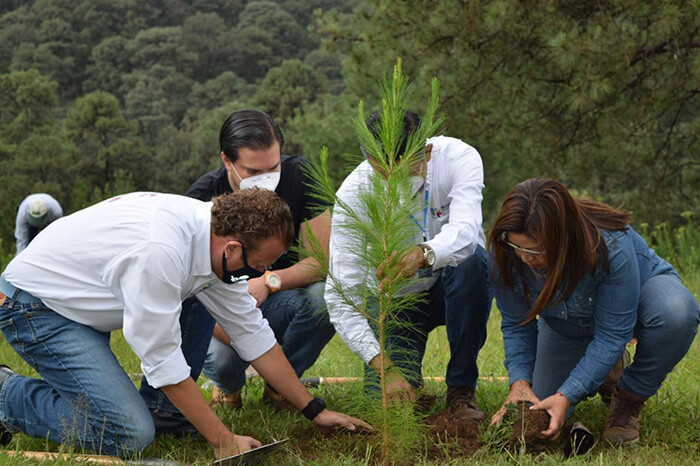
[{"x": 273, "y": 281}]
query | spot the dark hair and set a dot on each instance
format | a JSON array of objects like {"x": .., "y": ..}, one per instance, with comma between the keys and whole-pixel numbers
[
  {"x": 252, "y": 215},
  {"x": 411, "y": 121},
  {"x": 249, "y": 128},
  {"x": 566, "y": 229}
]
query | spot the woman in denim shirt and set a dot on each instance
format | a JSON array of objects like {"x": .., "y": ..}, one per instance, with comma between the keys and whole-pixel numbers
[{"x": 575, "y": 283}]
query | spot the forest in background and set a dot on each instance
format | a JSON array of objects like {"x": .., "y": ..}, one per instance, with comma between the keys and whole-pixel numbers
[{"x": 99, "y": 97}]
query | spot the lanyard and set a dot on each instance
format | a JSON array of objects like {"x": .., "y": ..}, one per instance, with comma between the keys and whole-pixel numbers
[{"x": 424, "y": 228}]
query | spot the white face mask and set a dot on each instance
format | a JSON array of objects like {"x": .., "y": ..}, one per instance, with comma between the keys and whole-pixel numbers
[
  {"x": 417, "y": 182},
  {"x": 267, "y": 181}
]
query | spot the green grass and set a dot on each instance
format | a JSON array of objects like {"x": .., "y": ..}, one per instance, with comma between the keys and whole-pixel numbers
[{"x": 670, "y": 429}]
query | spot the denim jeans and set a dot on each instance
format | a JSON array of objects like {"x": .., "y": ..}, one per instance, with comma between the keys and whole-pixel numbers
[
  {"x": 461, "y": 301},
  {"x": 301, "y": 326},
  {"x": 85, "y": 398},
  {"x": 667, "y": 321},
  {"x": 197, "y": 326}
]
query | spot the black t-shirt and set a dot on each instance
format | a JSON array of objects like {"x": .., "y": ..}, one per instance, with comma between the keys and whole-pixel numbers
[{"x": 293, "y": 188}]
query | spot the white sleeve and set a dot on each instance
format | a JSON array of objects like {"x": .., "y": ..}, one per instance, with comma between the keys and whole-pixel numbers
[
  {"x": 347, "y": 275},
  {"x": 149, "y": 281},
  {"x": 54, "y": 209},
  {"x": 234, "y": 309},
  {"x": 459, "y": 238},
  {"x": 21, "y": 227}
]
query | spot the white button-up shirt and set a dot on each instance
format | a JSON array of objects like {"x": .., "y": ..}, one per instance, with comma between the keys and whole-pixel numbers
[
  {"x": 454, "y": 180},
  {"x": 129, "y": 262}
]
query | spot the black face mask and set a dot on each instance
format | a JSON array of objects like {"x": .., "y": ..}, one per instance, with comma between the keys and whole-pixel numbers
[{"x": 244, "y": 273}]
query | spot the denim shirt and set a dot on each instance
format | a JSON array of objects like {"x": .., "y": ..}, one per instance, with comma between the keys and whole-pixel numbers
[{"x": 604, "y": 303}]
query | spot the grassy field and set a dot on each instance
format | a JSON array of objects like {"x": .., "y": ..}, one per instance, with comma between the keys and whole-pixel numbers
[{"x": 670, "y": 429}]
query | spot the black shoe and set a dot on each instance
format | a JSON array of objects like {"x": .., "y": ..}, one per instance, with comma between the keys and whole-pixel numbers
[
  {"x": 5, "y": 373},
  {"x": 168, "y": 422},
  {"x": 579, "y": 440}
]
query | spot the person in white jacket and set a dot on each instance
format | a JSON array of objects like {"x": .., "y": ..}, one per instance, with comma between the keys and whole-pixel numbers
[
  {"x": 449, "y": 246},
  {"x": 34, "y": 214},
  {"x": 129, "y": 262}
]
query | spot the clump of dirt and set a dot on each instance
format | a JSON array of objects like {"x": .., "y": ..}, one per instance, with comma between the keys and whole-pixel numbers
[
  {"x": 527, "y": 425},
  {"x": 452, "y": 437}
]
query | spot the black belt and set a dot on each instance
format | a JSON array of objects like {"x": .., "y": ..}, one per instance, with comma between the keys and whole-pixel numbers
[{"x": 15, "y": 294}]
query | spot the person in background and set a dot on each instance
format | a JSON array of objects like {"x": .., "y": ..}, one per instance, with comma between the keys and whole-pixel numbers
[
  {"x": 449, "y": 247},
  {"x": 34, "y": 214},
  {"x": 575, "y": 283}
]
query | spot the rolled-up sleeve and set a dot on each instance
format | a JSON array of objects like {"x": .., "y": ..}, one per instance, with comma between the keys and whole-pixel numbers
[
  {"x": 234, "y": 309},
  {"x": 458, "y": 240},
  {"x": 149, "y": 282},
  {"x": 616, "y": 301}
]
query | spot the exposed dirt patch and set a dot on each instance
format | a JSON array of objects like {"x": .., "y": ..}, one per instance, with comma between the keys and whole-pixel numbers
[{"x": 452, "y": 437}]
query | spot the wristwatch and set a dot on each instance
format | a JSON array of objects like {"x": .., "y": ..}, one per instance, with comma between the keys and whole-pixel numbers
[
  {"x": 314, "y": 408},
  {"x": 428, "y": 255},
  {"x": 272, "y": 281}
]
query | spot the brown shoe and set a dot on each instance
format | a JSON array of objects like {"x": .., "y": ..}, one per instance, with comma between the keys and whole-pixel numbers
[
  {"x": 608, "y": 388},
  {"x": 271, "y": 397},
  {"x": 461, "y": 401},
  {"x": 226, "y": 400},
  {"x": 624, "y": 417}
]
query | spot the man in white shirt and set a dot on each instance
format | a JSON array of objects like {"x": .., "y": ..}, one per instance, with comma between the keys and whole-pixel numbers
[
  {"x": 34, "y": 214},
  {"x": 449, "y": 245},
  {"x": 128, "y": 263}
]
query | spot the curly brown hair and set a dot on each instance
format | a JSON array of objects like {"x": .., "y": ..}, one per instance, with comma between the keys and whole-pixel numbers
[{"x": 252, "y": 215}]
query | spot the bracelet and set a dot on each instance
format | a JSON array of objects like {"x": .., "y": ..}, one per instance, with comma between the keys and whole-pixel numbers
[{"x": 314, "y": 408}]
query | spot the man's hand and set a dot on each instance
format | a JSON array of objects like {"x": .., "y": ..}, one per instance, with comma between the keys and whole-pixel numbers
[
  {"x": 556, "y": 405},
  {"x": 258, "y": 290},
  {"x": 519, "y": 391},
  {"x": 240, "y": 444},
  {"x": 398, "y": 389},
  {"x": 327, "y": 420},
  {"x": 409, "y": 264}
]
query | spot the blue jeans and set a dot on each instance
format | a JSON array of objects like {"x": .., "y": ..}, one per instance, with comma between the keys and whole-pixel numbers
[
  {"x": 300, "y": 322},
  {"x": 461, "y": 301},
  {"x": 667, "y": 321},
  {"x": 85, "y": 398}
]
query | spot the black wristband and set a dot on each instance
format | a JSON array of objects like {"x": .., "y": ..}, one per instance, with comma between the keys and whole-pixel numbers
[{"x": 314, "y": 408}]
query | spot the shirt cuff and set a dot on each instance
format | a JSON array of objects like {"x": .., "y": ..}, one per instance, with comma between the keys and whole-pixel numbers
[
  {"x": 170, "y": 371},
  {"x": 520, "y": 373},
  {"x": 573, "y": 390},
  {"x": 253, "y": 345}
]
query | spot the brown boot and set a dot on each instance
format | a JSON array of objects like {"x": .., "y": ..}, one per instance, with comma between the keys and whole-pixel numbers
[
  {"x": 271, "y": 397},
  {"x": 461, "y": 402},
  {"x": 226, "y": 400},
  {"x": 608, "y": 388},
  {"x": 624, "y": 417}
]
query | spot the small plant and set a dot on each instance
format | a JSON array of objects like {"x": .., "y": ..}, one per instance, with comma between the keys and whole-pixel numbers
[{"x": 380, "y": 226}]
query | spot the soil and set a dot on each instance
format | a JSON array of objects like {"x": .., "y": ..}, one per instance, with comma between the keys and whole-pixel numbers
[
  {"x": 527, "y": 425},
  {"x": 452, "y": 437}
]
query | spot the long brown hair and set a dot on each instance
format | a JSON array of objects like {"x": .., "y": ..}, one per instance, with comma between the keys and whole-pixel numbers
[{"x": 566, "y": 229}]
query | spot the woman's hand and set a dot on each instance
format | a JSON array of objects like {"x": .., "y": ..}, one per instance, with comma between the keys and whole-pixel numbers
[
  {"x": 519, "y": 391},
  {"x": 556, "y": 406}
]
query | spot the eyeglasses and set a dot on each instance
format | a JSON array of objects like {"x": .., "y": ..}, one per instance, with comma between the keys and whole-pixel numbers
[{"x": 534, "y": 252}]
